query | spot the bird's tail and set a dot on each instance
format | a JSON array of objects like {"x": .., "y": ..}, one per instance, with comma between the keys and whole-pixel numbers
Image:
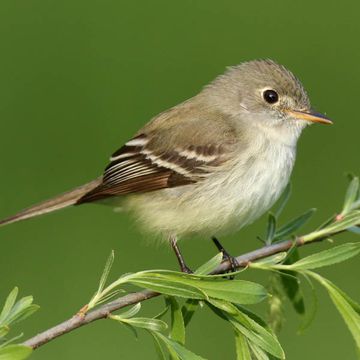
[{"x": 56, "y": 203}]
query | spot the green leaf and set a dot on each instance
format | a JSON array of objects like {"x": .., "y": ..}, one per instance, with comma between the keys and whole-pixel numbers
[
  {"x": 292, "y": 226},
  {"x": 192, "y": 286},
  {"x": 179, "y": 350},
  {"x": 272, "y": 259},
  {"x": 3, "y": 331},
  {"x": 242, "y": 346},
  {"x": 258, "y": 353},
  {"x": 141, "y": 322},
  {"x": 209, "y": 266},
  {"x": 352, "y": 302},
  {"x": 349, "y": 220},
  {"x": 131, "y": 312},
  {"x": 188, "y": 310},
  {"x": 147, "y": 323},
  {"x": 25, "y": 313},
  {"x": 312, "y": 309},
  {"x": 168, "y": 286},
  {"x": 237, "y": 291},
  {"x": 177, "y": 331},
  {"x": 22, "y": 309},
  {"x": 356, "y": 204},
  {"x": 162, "y": 312},
  {"x": 9, "y": 303},
  {"x": 15, "y": 352},
  {"x": 354, "y": 229},
  {"x": 327, "y": 257},
  {"x": 11, "y": 340},
  {"x": 159, "y": 349},
  {"x": 345, "y": 308},
  {"x": 283, "y": 200},
  {"x": 106, "y": 272},
  {"x": 290, "y": 284},
  {"x": 271, "y": 229},
  {"x": 351, "y": 195},
  {"x": 275, "y": 301},
  {"x": 225, "y": 306},
  {"x": 251, "y": 329}
]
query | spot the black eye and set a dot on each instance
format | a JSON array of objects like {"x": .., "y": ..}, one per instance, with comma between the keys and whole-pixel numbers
[{"x": 271, "y": 96}]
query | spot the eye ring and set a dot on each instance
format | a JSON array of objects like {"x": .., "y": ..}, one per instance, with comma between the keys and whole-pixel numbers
[{"x": 270, "y": 96}]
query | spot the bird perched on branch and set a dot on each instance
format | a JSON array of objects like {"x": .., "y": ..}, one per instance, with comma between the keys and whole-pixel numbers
[{"x": 209, "y": 165}]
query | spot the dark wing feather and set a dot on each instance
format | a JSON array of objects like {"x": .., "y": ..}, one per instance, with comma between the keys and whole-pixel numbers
[{"x": 138, "y": 167}]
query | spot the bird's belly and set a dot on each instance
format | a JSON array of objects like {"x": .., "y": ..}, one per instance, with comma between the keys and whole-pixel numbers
[{"x": 223, "y": 203}]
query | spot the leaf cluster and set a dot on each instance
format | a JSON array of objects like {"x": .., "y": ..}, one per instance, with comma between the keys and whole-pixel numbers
[
  {"x": 185, "y": 294},
  {"x": 13, "y": 312}
]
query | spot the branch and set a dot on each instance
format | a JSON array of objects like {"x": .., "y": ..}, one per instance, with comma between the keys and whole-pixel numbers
[
  {"x": 348, "y": 218},
  {"x": 105, "y": 310}
]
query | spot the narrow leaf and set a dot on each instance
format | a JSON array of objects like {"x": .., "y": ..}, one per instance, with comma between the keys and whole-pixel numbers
[
  {"x": 15, "y": 352},
  {"x": 352, "y": 302},
  {"x": 272, "y": 259},
  {"x": 346, "y": 310},
  {"x": 181, "y": 351},
  {"x": 242, "y": 346},
  {"x": 169, "y": 287},
  {"x": 159, "y": 349},
  {"x": 106, "y": 271},
  {"x": 22, "y": 309},
  {"x": 275, "y": 301},
  {"x": 225, "y": 306},
  {"x": 291, "y": 285},
  {"x": 211, "y": 265},
  {"x": 195, "y": 287},
  {"x": 292, "y": 226},
  {"x": 177, "y": 331},
  {"x": 237, "y": 291},
  {"x": 146, "y": 323},
  {"x": 3, "y": 331},
  {"x": 252, "y": 330},
  {"x": 354, "y": 229},
  {"x": 141, "y": 322},
  {"x": 258, "y": 353},
  {"x": 9, "y": 303},
  {"x": 188, "y": 310},
  {"x": 162, "y": 312},
  {"x": 327, "y": 257},
  {"x": 131, "y": 312},
  {"x": 271, "y": 229},
  {"x": 312, "y": 309},
  {"x": 351, "y": 195},
  {"x": 349, "y": 220}
]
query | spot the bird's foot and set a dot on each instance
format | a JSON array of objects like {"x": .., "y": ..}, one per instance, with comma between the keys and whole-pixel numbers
[
  {"x": 186, "y": 269},
  {"x": 183, "y": 267},
  {"x": 226, "y": 257}
]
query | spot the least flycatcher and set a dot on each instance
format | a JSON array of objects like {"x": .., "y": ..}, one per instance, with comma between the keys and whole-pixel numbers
[{"x": 209, "y": 165}]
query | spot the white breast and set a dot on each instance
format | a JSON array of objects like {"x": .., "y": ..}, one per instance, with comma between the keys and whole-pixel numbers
[{"x": 224, "y": 202}]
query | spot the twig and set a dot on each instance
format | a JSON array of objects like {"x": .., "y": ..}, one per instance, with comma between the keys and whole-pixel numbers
[{"x": 133, "y": 298}]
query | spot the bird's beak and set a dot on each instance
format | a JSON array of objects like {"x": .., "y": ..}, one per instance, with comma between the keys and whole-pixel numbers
[{"x": 309, "y": 116}]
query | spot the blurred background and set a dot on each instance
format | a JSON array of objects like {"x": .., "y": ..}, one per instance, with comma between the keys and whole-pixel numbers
[{"x": 78, "y": 78}]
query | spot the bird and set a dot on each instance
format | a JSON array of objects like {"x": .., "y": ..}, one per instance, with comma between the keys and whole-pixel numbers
[{"x": 209, "y": 165}]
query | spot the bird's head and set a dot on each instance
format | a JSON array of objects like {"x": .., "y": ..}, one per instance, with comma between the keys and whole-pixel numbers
[{"x": 266, "y": 94}]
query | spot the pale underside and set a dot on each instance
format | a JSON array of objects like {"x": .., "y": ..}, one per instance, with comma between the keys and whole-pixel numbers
[
  {"x": 222, "y": 203},
  {"x": 233, "y": 174}
]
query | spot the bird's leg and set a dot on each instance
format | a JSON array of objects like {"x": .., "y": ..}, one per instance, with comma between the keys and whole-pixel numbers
[
  {"x": 180, "y": 258},
  {"x": 226, "y": 256}
]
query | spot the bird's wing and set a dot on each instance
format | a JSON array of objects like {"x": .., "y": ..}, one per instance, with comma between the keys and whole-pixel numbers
[{"x": 158, "y": 160}]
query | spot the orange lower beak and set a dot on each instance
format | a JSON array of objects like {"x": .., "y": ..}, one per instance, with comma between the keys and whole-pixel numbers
[{"x": 309, "y": 116}]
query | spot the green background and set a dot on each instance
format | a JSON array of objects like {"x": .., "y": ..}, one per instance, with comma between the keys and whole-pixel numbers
[{"x": 78, "y": 78}]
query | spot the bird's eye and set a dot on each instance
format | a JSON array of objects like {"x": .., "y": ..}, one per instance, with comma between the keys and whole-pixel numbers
[{"x": 271, "y": 96}]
